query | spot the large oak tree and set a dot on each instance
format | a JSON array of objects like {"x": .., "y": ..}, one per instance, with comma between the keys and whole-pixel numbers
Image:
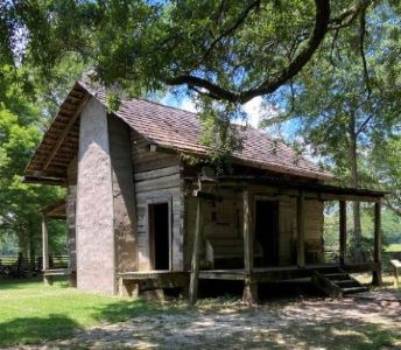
[{"x": 228, "y": 50}]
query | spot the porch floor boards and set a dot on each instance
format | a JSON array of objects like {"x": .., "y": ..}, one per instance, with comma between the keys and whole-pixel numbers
[
  {"x": 151, "y": 275},
  {"x": 136, "y": 282},
  {"x": 270, "y": 274},
  {"x": 259, "y": 274}
]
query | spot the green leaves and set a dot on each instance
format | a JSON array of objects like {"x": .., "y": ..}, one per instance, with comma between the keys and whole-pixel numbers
[
  {"x": 386, "y": 158},
  {"x": 145, "y": 45},
  {"x": 113, "y": 102},
  {"x": 20, "y": 123},
  {"x": 333, "y": 109},
  {"x": 219, "y": 134}
]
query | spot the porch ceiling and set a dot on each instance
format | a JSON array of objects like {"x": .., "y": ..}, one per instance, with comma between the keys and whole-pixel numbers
[
  {"x": 60, "y": 144},
  {"x": 321, "y": 189},
  {"x": 56, "y": 210}
]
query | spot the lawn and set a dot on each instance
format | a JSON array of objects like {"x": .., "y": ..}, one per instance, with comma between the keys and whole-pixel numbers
[
  {"x": 31, "y": 312},
  {"x": 395, "y": 247}
]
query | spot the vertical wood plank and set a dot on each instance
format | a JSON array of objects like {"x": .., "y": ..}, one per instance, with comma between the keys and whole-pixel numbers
[
  {"x": 343, "y": 231},
  {"x": 300, "y": 230},
  {"x": 45, "y": 248},
  {"x": 250, "y": 294},
  {"x": 396, "y": 277},
  {"x": 248, "y": 234},
  {"x": 194, "y": 279},
  {"x": 377, "y": 254},
  {"x": 45, "y": 244}
]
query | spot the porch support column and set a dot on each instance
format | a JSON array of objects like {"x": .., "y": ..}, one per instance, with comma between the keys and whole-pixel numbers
[
  {"x": 45, "y": 249},
  {"x": 343, "y": 232},
  {"x": 377, "y": 254},
  {"x": 300, "y": 230},
  {"x": 250, "y": 294},
  {"x": 194, "y": 278}
]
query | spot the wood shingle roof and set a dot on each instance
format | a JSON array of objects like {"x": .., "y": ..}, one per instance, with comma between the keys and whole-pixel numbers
[{"x": 169, "y": 128}]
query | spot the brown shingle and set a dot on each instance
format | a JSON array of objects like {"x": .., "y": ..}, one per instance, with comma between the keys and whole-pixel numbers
[{"x": 180, "y": 130}]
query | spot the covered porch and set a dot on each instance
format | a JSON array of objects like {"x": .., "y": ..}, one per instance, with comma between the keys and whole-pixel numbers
[
  {"x": 56, "y": 211},
  {"x": 250, "y": 187}
]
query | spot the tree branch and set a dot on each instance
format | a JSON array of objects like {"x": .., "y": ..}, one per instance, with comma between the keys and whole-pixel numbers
[
  {"x": 215, "y": 91},
  {"x": 233, "y": 28},
  {"x": 333, "y": 47},
  {"x": 363, "y": 125},
  {"x": 362, "y": 35},
  {"x": 392, "y": 207},
  {"x": 322, "y": 18},
  {"x": 348, "y": 16}
]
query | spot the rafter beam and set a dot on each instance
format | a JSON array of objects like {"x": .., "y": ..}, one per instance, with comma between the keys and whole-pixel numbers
[{"x": 65, "y": 132}]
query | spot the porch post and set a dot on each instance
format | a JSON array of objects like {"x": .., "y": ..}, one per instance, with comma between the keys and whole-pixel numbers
[
  {"x": 300, "y": 230},
  {"x": 45, "y": 249},
  {"x": 194, "y": 278},
  {"x": 250, "y": 294},
  {"x": 343, "y": 231},
  {"x": 377, "y": 254}
]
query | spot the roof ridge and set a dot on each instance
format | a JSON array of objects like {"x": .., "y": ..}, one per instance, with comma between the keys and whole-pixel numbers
[
  {"x": 85, "y": 85},
  {"x": 146, "y": 125},
  {"x": 195, "y": 114}
]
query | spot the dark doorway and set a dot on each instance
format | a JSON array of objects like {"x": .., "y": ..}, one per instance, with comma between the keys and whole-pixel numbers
[
  {"x": 159, "y": 236},
  {"x": 267, "y": 231}
]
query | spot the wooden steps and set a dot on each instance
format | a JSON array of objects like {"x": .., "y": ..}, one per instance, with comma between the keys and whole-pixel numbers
[{"x": 337, "y": 284}]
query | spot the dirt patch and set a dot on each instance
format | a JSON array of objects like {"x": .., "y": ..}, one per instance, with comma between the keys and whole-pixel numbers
[{"x": 366, "y": 321}]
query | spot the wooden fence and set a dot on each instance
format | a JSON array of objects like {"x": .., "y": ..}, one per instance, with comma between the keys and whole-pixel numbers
[
  {"x": 57, "y": 261},
  {"x": 14, "y": 266}
]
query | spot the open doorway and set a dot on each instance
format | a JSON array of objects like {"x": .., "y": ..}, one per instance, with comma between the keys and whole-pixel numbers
[
  {"x": 267, "y": 231},
  {"x": 159, "y": 236}
]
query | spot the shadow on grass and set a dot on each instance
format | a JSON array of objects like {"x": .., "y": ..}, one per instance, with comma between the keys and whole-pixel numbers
[
  {"x": 244, "y": 329},
  {"x": 253, "y": 329},
  {"x": 339, "y": 335},
  {"x": 129, "y": 309},
  {"x": 270, "y": 326},
  {"x": 18, "y": 283},
  {"x": 22, "y": 283},
  {"x": 33, "y": 330}
]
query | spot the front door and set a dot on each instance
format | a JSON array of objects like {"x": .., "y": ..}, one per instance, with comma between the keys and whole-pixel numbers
[
  {"x": 267, "y": 231},
  {"x": 159, "y": 236}
]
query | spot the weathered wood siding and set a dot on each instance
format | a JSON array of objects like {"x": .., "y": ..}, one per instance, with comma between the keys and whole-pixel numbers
[
  {"x": 157, "y": 178},
  {"x": 145, "y": 160},
  {"x": 314, "y": 223},
  {"x": 223, "y": 219},
  {"x": 313, "y": 212},
  {"x": 123, "y": 195},
  {"x": 287, "y": 224},
  {"x": 71, "y": 204}
]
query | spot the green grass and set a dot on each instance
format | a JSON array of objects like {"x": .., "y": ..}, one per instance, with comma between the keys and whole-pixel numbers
[
  {"x": 31, "y": 312},
  {"x": 395, "y": 247}
]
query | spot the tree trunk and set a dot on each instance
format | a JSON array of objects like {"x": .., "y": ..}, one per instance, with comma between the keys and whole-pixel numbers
[
  {"x": 23, "y": 244},
  {"x": 355, "y": 178},
  {"x": 357, "y": 253},
  {"x": 32, "y": 250},
  {"x": 24, "y": 249}
]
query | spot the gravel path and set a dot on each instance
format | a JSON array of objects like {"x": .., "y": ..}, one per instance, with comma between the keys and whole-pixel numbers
[{"x": 366, "y": 321}]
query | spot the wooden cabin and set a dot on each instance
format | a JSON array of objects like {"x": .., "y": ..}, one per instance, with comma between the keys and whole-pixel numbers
[{"x": 143, "y": 215}]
